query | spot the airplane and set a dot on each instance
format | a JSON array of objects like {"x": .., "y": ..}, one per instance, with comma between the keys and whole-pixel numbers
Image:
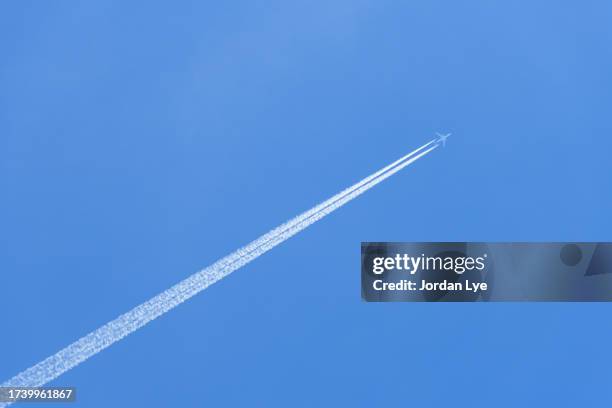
[{"x": 442, "y": 138}]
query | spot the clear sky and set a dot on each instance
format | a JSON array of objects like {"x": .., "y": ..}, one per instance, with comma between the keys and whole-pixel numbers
[{"x": 141, "y": 141}]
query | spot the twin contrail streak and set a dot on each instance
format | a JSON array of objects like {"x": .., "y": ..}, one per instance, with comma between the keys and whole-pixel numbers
[{"x": 115, "y": 330}]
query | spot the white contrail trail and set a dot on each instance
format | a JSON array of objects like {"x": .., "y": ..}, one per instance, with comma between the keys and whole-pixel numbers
[{"x": 115, "y": 330}]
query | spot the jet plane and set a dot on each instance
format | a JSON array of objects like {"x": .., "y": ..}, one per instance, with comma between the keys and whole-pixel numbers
[{"x": 442, "y": 138}]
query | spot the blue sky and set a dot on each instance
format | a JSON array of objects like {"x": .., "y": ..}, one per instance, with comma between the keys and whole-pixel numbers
[{"x": 139, "y": 143}]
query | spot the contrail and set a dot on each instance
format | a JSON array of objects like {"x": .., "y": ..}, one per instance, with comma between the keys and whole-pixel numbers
[{"x": 115, "y": 330}]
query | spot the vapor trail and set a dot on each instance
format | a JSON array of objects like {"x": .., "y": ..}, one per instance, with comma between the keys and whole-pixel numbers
[{"x": 115, "y": 330}]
